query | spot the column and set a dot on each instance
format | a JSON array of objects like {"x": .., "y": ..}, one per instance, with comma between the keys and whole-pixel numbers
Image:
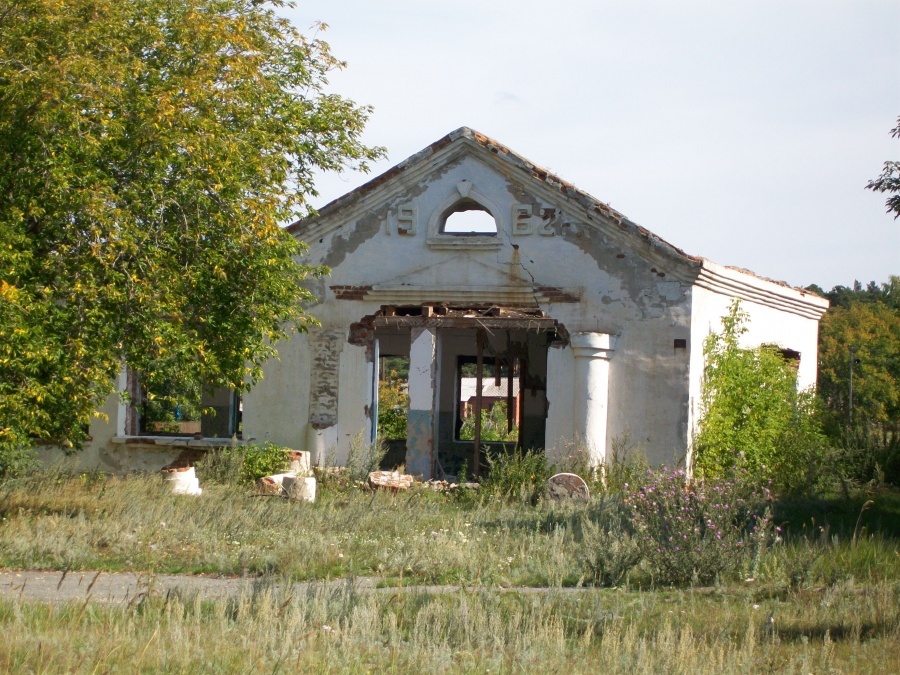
[
  {"x": 592, "y": 352},
  {"x": 422, "y": 387}
]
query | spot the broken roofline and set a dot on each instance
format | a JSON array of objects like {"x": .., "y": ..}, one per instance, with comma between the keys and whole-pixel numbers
[
  {"x": 535, "y": 172},
  {"x": 717, "y": 278}
]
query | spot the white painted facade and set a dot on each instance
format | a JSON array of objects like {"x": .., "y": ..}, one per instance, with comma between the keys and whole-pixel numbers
[
  {"x": 620, "y": 297},
  {"x": 604, "y": 321}
]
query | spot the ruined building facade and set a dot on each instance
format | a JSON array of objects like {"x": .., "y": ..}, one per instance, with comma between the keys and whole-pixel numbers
[
  {"x": 600, "y": 322},
  {"x": 464, "y": 253}
]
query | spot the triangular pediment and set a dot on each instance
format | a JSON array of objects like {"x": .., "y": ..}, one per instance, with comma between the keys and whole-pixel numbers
[
  {"x": 376, "y": 205},
  {"x": 393, "y": 184},
  {"x": 459, "y": 271}
]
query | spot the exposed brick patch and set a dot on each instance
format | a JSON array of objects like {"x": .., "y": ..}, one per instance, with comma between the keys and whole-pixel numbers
[
  {"x": 555, "y": 294},
  {"x": 187, "y": 457},
  {"x": 361, "y": 334},
  {"x": 350, "y": 292}
]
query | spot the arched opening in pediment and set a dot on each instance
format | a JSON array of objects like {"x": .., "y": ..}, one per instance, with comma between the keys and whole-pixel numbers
[{"x": 468, "y": 217}]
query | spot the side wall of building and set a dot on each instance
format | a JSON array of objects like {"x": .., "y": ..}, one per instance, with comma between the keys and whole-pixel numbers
[{"x": 796, "y": 330}]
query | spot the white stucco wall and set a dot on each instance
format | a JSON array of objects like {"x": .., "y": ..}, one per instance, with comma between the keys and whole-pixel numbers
[
  {"x": 277, "y": 409},
  {"x": 596, "y": 282},
  {"x": 795, "y": 328},
  {"x": 556, "y": 249}
]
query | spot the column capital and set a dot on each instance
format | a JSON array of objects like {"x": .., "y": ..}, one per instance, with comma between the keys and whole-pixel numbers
[{"x": 592, "y": 345}]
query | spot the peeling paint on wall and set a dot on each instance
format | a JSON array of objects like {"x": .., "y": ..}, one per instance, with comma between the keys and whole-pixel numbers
[{"x": 325, "y": 348}]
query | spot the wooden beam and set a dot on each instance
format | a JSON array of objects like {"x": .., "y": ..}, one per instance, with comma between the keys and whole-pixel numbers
[
  {"x": 479, "y": 373},
  {"x": 510, "y": 413},
  {"x": 537, "y": 324}
]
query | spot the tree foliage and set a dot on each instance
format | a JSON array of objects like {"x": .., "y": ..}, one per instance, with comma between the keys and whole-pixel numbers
[
  {"x": 494, "y": 425},
  {"x": 863, "y": 326},
  {"x": 753, "y": 418},
  {"x": 393, "y": 404},
  {"x": 149, "y": 150},
  {"x": 889, "y": 180},
  {"x": 868, "y": 334}
]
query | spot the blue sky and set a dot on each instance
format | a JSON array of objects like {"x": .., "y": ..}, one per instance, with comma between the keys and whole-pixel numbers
[{"x": 743, "y": 131}]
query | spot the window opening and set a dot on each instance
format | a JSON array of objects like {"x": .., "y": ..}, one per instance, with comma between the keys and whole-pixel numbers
[
  {"x": 469, "y": 218},
  {"x": 791, "y": 356},
  {"x": 170, "y": 407},
  {"x": 500, "y": 396},
  {"x": 393, "y": 397},
  {"x": 176, "y": 406}
]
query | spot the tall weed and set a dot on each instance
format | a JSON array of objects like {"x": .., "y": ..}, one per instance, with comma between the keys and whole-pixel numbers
[
  {"x": 517, "y": 475},
  {"x": 609, "y": 551},
  {"x": 694, "y": 532},
  {"x": 364, "y": 457}
]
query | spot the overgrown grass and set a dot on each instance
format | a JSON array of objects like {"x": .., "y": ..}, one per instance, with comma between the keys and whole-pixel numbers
[
  {"x": 55, "y": 521},
  {"x": 844, "y": 628},
  {"x": 819, "y": 593}
]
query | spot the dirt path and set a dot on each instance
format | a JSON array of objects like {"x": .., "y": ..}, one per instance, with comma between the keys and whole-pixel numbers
[{"x": 125, "y": 587}]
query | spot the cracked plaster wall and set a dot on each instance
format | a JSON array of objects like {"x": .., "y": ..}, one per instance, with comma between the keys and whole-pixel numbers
[
  {"x": 543, "y": 242},
  {"x": 621, "y": 293}
]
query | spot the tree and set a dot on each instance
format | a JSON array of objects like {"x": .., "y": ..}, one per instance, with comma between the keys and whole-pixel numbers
[
  {"x": 149, "y": 150},
  {"x": 865, "y": 329},
  {"x": 753, "y": 420},
  {"x": 889, "y": 180},
  {"x": 860, "y": 333}
]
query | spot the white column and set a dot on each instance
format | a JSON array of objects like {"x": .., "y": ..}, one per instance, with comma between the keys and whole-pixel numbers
[
  {"x": 422, "y": 386},
  {"x": 592, "y": 352}
]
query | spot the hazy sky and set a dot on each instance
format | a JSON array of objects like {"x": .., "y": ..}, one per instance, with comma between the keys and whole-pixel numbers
[{"x": 741, "y": 131}]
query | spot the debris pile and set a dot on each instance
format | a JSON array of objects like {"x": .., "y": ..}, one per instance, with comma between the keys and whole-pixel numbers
[
  {"x": 293, "y": 484},
  {"x": 391, "y": 480},
  {"x": 182, "y": 480}
]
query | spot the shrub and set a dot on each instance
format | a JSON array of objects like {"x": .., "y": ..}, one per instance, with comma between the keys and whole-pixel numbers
[
  {"x": 221, "y": 465},
  {"x": 16, "y": 459},
  {"x": 263, "y": 459},
  {"x": 517, "y": 475},
  {"x": 364, "y": 458},
  {"x": 608, "y": 549},
  {"x": 753, "y": 419},
  {"x": 695, "y": 532}
]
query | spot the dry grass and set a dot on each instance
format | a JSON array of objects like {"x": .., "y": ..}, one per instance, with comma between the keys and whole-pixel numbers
[
  {"x": 832, "y": 598},
  {"x": 841, "y": 629}
]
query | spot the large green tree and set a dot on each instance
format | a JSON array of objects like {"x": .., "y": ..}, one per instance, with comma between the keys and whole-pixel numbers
[
  {"x": 149, "y": 150},
  {"x": 862, "y": 326}
]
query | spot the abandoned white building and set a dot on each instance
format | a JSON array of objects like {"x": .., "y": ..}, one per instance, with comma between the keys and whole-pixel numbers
[{"x": 466, "y": 255}]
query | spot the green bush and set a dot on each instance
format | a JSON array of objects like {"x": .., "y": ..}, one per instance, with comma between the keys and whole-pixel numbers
[
  {"x": 221, "y": 465},
  {"x": 694, "y": 532},
  {"x": 363, "y": 458},
  {"x": 263, "y": 459},
  {"x": 754, "y": 422},
  {"x": 608, "y": 549},
  {"x": 517, "y": 475},
  {"x": 16, "y": 459}
]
